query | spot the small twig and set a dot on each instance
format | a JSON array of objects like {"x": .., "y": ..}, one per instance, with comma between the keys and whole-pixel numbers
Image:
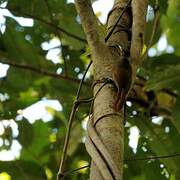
[
  {"x": 82, "y": 81},
  {"x": 75, "y": 170},
  {"x": 112, "y": 30},
  {"x": 47, "y": 23},
  {"x": 66, "y": 142},
  {"x": 66, "y": 173},
  {"x": 152, "y": 157},
  {"x": 81, "y": 101},
  {"x": 154, "y": 28},
  {"x": 64, "y": 152}
]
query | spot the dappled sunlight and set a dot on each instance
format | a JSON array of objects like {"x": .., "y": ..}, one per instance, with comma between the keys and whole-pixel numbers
[
  {"x": 134, "y": 138},
  {"x": 54, "y": 50},
  {"x": 11, "y": 154},
  {"x": 162, "y": 46},
  {"x": 81, "y": 164},
  {"x": 26, "y": 22},
  {"x": 157, "y": 120},
  {"x": 39, "y": 110},
  {"x": 5, "y": 176},
  {"x": 15, "y": 147},
  {"x": 162, "y": 43},
  {"x": 102, "y": 11},
  {"x": 3, "y": 70}
]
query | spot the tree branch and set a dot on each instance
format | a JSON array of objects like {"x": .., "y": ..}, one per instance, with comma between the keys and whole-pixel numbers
[
  {"x": 47, "y": 23},
  {"x": 138, "y": 28},
  {"x": 152, "y": 157},
  {"x": 118, "y": 20},
  {"x": 37, "y": 70},
  {"x": 154, "y": 28},
  {"x": 89, "y": 22}
]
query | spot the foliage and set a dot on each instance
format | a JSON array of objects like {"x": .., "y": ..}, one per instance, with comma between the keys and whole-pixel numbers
[{"x": 42, "y": 141}]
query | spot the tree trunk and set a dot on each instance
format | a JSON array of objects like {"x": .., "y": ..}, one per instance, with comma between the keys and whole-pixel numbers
[{"x": 105, "y": 140}]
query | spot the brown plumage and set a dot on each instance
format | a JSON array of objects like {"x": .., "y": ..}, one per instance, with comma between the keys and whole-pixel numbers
[{"x": 122, "y": 77}]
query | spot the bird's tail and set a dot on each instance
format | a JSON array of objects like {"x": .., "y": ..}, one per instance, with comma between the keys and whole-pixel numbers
[{"x": 120, "y": 100}]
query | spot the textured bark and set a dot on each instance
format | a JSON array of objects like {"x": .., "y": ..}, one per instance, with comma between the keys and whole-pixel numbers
[
  {"x": 108, "y": 125},
  {"x": 138, "y": 27}
]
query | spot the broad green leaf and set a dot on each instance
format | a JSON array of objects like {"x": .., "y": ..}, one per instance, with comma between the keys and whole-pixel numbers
[
  {"x": 19, "y": 49},
  {"x": 171, "y": 26},
  {"x": 172, "y": 177},
  {"x": 160, "y": 142},
  {"x": 16, "y": 46},
  {"x": 35, "y": 7},
  {"x": 64, "y": 15},
  {"x": 70, "y": 23},
  {"x": 162, "y": 62},
  {"x": 20, "y": 170},
  {"x": 168, "y": 78},
  {"x": 33, "y": 151},
  {"x": 26, "y": 134}
]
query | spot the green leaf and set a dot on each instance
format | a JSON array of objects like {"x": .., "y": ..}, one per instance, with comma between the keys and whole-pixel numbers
[
  {"x": 138, "y": 178},
  {"x": 172, "y": 177},
  {"x": 160, "y": 142},
  {"x": 163, "y": 5},
  {"x": 18, "y": 48},
  {"x": 26, "y": 134},
  {"x": 162, "y": 62},
  {"x": 76, "y": 136},
  {"x": 35, "y": 7},
  {"x": 168, "y": 78},
  {"x": 33, "y": 151},
  {"x": 63, "y": 14},
  {"x": 21, "y": 170},
  {"x": 70, "y": 23},
  {"x": 171, "y": 26}
]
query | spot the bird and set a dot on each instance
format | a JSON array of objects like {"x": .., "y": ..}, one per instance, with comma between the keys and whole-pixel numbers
[{"x": 122, "y": 78}]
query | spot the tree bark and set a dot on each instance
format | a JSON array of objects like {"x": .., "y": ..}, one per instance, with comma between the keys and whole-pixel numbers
[{"x": 105, "y": 140}]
